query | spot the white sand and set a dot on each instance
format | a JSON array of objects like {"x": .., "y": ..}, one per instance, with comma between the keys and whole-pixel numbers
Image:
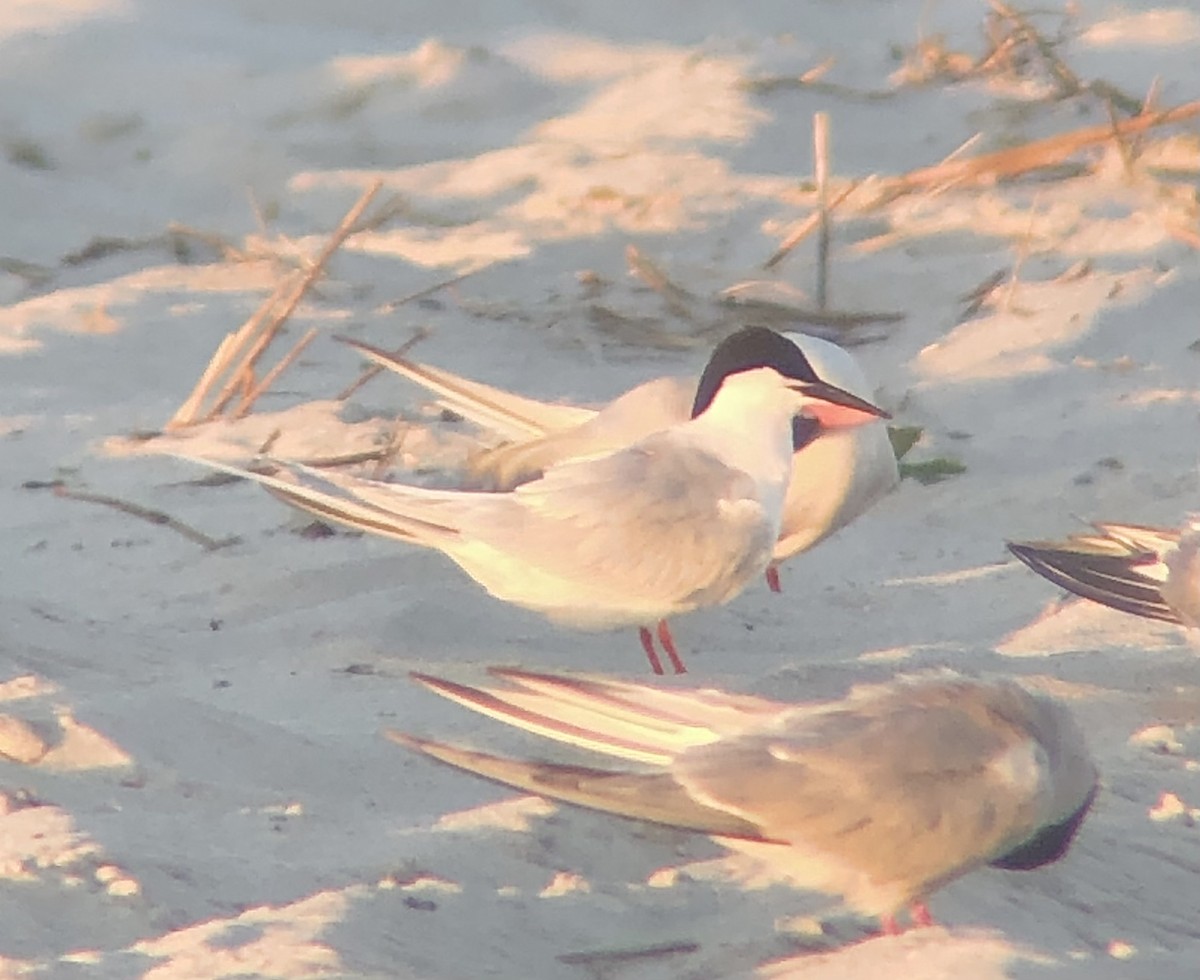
[{"x": 216, "y": 799}]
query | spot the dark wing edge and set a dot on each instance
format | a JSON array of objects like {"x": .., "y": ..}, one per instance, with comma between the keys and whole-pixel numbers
[
  {"x": 1109, "y": 579},
  {"x": 652, "y": 797}
]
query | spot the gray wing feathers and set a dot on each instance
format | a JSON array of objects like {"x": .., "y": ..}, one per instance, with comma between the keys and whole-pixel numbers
[
  {"x": 618, "y": 719},
  {"x": 1139, "y": 537},
  {"x": 881, "y": 797},
  {"x": 327, "y": 496},
  {"x": 412, "y": 514},
  {"x": 1181, "y": 590},
  {"x": 655, "y": 797},
  {"x": 904, "y": 788},
  {"x": 1118, "y": 567},
  {"x": 508, "y": 415},
  {"x": 650, "y": 520},
  {"x": 640, "y": 412}
]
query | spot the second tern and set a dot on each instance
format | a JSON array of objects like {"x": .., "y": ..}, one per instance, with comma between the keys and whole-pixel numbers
[
  {"x": 677, "y": 521},
  {"x": 1152, "y": 572},
  {"x": 837, "y": 474},
  {"x": 882, "y": 797}
]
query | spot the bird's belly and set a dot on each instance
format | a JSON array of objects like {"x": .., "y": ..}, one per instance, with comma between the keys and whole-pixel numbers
[
  {"x": 833, "y": 481},
  {"x": 585, "y": 600},
  {"x": 570, "y": 600}
]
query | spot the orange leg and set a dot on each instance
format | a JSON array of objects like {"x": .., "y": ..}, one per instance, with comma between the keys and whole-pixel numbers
[
  {"x": 773, "y": 578},
  {"x": 648, "y": 645},
  {"x": 668, "y": 644}
]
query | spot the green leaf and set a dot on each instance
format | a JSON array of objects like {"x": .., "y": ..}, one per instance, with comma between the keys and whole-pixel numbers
[
  {"x": 932, "y": 470},
  {"x": 903, "y": 438}
]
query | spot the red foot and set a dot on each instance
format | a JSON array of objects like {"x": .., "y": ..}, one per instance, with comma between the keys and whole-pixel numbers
[
  {"x": 668, "y": 644},
  {"x": 651, "y": 653},
  {"x": 921, "y": 916},
  {"x": 773, "y": 578}
]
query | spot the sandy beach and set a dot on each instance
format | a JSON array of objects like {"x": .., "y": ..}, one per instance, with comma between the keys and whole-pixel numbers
[{"x": 574, "y": 198}]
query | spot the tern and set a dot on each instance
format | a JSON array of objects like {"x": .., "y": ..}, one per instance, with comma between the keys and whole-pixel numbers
[
  {"x": 681, "y": 519},
  {"x": 880, "y": 798},
  {"x": 837, "y": 473},
  {"x": 1146, "y": 571}
]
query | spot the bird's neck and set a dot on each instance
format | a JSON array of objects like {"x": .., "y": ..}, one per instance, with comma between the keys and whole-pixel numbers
[{"x": 750, "y": 426}]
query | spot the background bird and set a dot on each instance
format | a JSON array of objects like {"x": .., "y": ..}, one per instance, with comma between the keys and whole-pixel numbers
[
  {"x": 1147, "y": 571},
  {"x": 679, "y": 520},
  {"x": 838, "y": 472},
  {"x": 880, "y": 798}
]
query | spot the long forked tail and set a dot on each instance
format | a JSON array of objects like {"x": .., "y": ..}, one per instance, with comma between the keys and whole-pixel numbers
[
  {"x": 1121, "y": 567},
  {"x": 654, "y": 797},
  {"x": 365, "y": 505},
  {"x": 617, "y": 718},
  {"x": 509, "y": 415}
]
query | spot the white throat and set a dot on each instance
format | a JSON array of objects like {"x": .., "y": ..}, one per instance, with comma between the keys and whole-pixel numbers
[{"x": 749, "y": 425}]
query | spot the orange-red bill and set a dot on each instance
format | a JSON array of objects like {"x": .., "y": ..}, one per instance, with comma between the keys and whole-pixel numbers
[{"x": 835, "y": 408}]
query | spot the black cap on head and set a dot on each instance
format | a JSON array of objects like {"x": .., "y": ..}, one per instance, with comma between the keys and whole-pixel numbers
[
  {"x": 750, "y": 348},
  {"x": 1047, "y": 845}
]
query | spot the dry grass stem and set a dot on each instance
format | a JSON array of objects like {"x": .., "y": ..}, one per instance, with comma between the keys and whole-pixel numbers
[
  {"x": 391, "y": 449},
  {"x": 145, "y": 514},
  {"x": 821, "y": 177},
  {"x": 638, "y": 331},
  {"x": 805, "y": 227},
  {"x": 962, "y": 148},
  {"x": 976, "y": 297},
  {"x": 1014, "y": 47},
  {"x": 606, "y": 958},
  {"x": 1035, "y": 154},
  {"x": 818, "y": 71},
  {"x": 1000, "y": 55},
  {"x": 269, "y": 443},
  {"x": 1065, "y": 79},
  {"x": 839, "y": 319},
  {"x": 218, "y": 243},
  {"x": 229, "y": 359},
  {"x": 1150, "y": 102},
  {"x": 419, "y": 334},
  {"x": 268, "y": 379},
  {"x": 33, "y": 274},
  {"x": 421, "y": 293},
  {"x": 186, "y": 413},
  {"x": 1008, "y": 303},
  {"x": 394, "y": 206},
  {"x": 1076, "y": 271},
  {"x": 811, "y": 80},
  {"x": 846, "y": 319},
  {"x": 877, "y": 243},
  {"x": 958, "y": 152},
  {"x": 346, "y": 459},
  {"x": 251, "y": 333},
  {"x": 678, "y": 299},
  {"x": 1124, "y": 148},
  {"x": 260, "y": 219}
]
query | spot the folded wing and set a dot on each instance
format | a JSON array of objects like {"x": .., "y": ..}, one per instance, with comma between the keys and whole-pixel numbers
[
  {"x": 654, "y": 797},
  {"x": 1120, "y": 566},
  {"x": 616, "y": 718}
]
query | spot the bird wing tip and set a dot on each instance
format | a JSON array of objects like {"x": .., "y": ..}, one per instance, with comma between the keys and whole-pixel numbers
[{"x": 408, "y": 741}]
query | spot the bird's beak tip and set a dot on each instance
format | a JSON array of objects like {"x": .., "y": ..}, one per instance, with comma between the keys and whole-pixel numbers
[{"x": 835, "y": 408}]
